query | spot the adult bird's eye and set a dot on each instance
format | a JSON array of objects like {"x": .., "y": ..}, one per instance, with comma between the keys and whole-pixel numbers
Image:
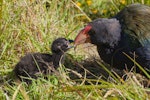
[{"x": 91, "y": 32}]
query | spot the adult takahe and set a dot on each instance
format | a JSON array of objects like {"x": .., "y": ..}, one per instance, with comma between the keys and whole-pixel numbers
[{"x": 128, "y": 32}]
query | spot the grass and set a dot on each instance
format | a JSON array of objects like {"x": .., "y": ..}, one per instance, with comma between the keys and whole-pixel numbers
[{"x": 28, "y": 26}]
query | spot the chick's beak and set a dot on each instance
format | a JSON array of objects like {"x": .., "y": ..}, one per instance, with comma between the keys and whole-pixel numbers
[{"x": 69, "y": 43}]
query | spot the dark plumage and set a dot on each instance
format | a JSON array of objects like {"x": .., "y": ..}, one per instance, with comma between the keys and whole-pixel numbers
[
  {"x": 128, "y": 32},
  {"x": 33, "y": 64}
]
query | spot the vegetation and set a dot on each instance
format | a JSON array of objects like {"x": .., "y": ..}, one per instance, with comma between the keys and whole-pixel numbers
[{"x": 32, "y": 25}]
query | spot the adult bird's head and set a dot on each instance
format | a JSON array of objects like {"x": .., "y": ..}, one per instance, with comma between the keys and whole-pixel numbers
[{"x": 101, "y": 31}]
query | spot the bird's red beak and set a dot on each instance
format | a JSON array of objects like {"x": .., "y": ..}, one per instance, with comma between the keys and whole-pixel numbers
[{"x": 83, "y": 36}]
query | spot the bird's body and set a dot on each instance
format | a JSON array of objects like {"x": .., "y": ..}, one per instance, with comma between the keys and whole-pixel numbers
[
  {"x": 33, "y": 65},
  {"x": 128, "y": 32}
]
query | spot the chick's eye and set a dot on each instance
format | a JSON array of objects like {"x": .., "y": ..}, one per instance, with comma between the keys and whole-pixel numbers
[{"x": 58, "y": 44}]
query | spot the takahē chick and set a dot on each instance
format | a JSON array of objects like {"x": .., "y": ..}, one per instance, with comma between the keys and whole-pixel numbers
[
  {"x": 33, "y": 64},
  {"x": 128, "y": 32}
]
